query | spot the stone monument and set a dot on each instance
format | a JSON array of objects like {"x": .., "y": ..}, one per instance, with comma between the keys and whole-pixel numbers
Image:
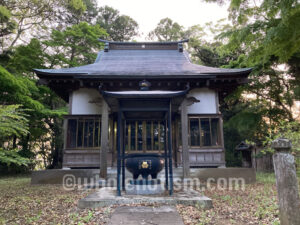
[{"x": 286, "y": 182}]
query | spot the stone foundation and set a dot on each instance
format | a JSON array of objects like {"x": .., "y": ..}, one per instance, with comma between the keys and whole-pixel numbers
[{"x": 55, "y": 176}]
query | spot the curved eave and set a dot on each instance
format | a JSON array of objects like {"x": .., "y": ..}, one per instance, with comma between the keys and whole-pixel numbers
[
  {"x": 88, "y": 75},
  {"x": 143, "y": 94},
  {"x": 48, "y": 72}
]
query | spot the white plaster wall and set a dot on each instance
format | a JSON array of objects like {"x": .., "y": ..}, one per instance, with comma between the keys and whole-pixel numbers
[
  {"x": 85, "y": 101},
  {"x": 208, "y": 101}
]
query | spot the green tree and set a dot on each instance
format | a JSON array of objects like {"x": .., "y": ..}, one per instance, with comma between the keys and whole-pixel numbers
[
  {"x": 91, "y": 11},
  {"x": 264, "y": 36},
  {"x": 267, "y": 35},
  {"x": 30, "y": 18},
  {"x": 13, "y": 119},
  {"x": 65, "y": 46},
  {"x": 7, "y": 25},
  {"x": 13, "y": 122},
  {"x": 70, "y": 12},
  {"x": 19, "y": 87},
  {"x": 119, "y": 27},
  {"x": 167, "y": 30},
  {"x": 205, "y": 50},
  {"x": 289, "y": 130},
  {"x": 25, "y": 19},
  {"x": 76, "y": 45}
]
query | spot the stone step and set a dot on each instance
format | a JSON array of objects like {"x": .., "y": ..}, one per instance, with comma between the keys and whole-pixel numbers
[
  {"x": 108, "y": 196},
  {"x": 163, "y": 215}
]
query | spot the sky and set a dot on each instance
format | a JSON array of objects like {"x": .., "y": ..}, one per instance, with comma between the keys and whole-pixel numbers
[{"x": 148, "y": 13}]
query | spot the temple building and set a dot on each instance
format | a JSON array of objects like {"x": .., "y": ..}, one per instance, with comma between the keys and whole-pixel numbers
[{"x": 143, "y": 97}]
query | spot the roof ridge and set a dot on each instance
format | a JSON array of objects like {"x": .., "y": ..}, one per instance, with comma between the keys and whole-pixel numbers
[
  {"x": 167, "y": 45},
  {"x": 144, "y": 42}
]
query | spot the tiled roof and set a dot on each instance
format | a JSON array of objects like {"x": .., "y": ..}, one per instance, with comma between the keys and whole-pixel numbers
[{"x": 142, "y": 62}]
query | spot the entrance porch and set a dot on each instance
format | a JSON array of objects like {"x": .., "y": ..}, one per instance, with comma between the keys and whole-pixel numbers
[{"x": 143, "y": 105}]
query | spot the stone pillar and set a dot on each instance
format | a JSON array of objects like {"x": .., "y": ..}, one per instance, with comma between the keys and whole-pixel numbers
[
  {"x": 104, "y": 140},
  {"x": 184, "y": 140},
  {"x": 286, "y": 182}
]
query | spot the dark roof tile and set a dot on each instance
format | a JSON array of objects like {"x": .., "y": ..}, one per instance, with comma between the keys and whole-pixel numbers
[{"x": 136, "y": 63}]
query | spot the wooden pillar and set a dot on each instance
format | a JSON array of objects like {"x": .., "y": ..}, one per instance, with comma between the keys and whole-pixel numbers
[
  {"x": 123, "y": 153},
  {"x": 286, "y": 182},
  {"x": 170, "y": 149},
  {"x": 111, "y": 140},
  {"x": 223, "y": 143},
  {"x": 184, "y": 140},
  {"x": 119, "y": 146},
  {"x": 104, "y": 140},
  {"x": 166, "y": 155},
  {"x": 65, "y": 131}
]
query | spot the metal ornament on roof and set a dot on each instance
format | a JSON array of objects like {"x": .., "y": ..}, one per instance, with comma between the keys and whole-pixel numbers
[
  {"x": 106, "y": 46},
  {"x": 180, "y": 47},
  {"x": 144, "y": 85}
]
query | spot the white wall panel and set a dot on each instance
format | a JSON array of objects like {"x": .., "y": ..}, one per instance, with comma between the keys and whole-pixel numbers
[
  {"x": 85, "y": 101},
  {"x": 208, "y": 101}
]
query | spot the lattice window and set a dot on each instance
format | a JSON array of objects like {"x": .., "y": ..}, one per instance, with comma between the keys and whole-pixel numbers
[{"x": 84, "y": 132}]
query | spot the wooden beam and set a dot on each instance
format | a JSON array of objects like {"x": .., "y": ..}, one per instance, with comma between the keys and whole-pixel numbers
[
  {"x": 104, "y": 140},
  {"x": 184, "y": 138}
]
